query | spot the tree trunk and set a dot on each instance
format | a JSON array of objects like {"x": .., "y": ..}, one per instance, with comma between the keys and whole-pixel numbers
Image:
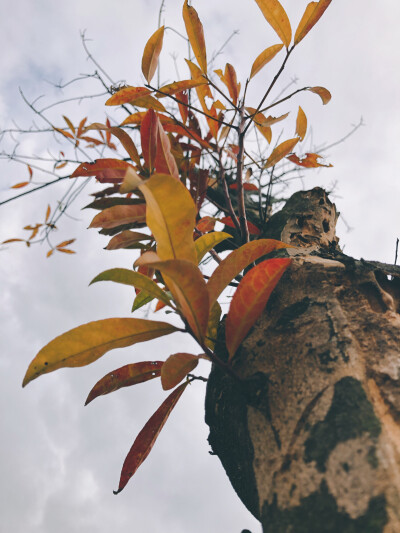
[{"x": 311, "y": 439}]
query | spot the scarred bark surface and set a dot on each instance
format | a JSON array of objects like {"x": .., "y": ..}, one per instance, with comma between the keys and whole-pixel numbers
[{"x": 311, "y": 439}]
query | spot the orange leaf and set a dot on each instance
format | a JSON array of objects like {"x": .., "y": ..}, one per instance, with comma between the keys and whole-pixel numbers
[
  {"x": 81, "y": 127},
  {"x": 125, "y": 377},
  {"x": 231, "y": 82},
  {"x": 148, "y": 136},
  {"x": 159, "y": 306},
  {"x": 187, "y": 286},
  {"x": 128, "y": 95},
  {"x": 301, "y": 124},
  {"x": 149, "y": 102},
  {"x": 194, "y": 30},
  {"x": 311, "y": 16},
  {"x": 151, "y": 54},
  {"x": 237, "y": 261},
  {"x": 206, "y": 224},
  {"x": 202, "y": 90},
  {"x": 65, "y": 251},
  {"x": 69, "y": 123},
  {"x": 65, "y": 243},
  {"x": 176, "y": 368},
  {"x": 20, "y": 185},
  {"x": 323, "y": 93},
  {"x": 277, "y": 18},
  {"x": 105, "y": 170},
  {"x": 48, "y": 211},
  {"x": 309, "y": 161},
  {"x": 65, "y": 133},
  {"x": 250, "y": 299},
  {"x": 178, "y": 86},
  {"x": 49, "y": 253},
  {"x": 136, "y": 118},
  {"x": 118, "y": 215},
  {"x": 251, "y": 227},
  {"x": 186, "y": 132},
  {"x": 265, "y": 57},
  {"x": 164, "y": 162},
  {"x": 246, "y": 187},
  {"x": 12, "y": 240},
  {"x": 145, "y": 440},
  {"x": 125, "y": 139},
  {"x": 281, "y": 151},
  {"x": 183, "y": 105},
  {"x": 125, "y": 239},
  {"x": 30, "y": 172}
]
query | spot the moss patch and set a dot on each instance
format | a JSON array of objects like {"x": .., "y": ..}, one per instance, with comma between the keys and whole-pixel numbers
[
  {"x": 318, "y": 513},
  {"x": 349, "y": 416}
]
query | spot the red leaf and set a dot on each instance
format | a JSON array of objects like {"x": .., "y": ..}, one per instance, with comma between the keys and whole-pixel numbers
[
  {"x": 206, "y": 224},
  {"x": 309, "y": 161},
  {"x": 105, "y": 170},
  {"x": 246, "y": 186},
  {"x": 125, "y": 377},
  {"x": 176, "y": 368},
  {"x": 250, "y": 299},
  {"x": 251, "y": 227},
  {"x": 165, "y": 162},
  {"x": 145, "y": 440}
]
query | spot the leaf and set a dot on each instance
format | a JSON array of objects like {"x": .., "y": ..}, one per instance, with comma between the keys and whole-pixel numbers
[
  {"x": 65, "y": 133},
  {"x": 206, "y": 224},
  {"x": 106, "y": 170},
  {"x": 183, "y": 105},
  {"x": 206, "y": 242},
  {"x": 134, "y": 279},
  {"x": 172, "y": 228},
  {"x": 128, "y": 95},
  {"x": 125, "y": 239},
  {"x": 188, "y": 288},
  {"x": 125, "y": 377},
  {"x": 309, "y": 161},
  {"x": 165, "y": 162},
  {"x": 145, "y": 440},
  {"x": 246, "y": 187},
  {"x": 250, "y": 298},
  {"x": 301, "y": 124},
  {"x": 131, "y": 181},
  {"x": 146, "y": 258},
  {"x": 13, "y": 240},
  {"x": 125, "y": 139},
  {"x": 237, "y": 261},
  {"x": 148, "y": 136},
  {"x": 179, "y": 86},
  {"x": 49, "y": 253},
  {"x": 202, "y": 90},
  {"x": 311, "y": 16},
  {"x": 119, "y": 215},
  {"x": 149, "y": 102},
  {"x": 69, "y": 123},
  {"x": 276, "y": 16},
  {"x": 231, "y": 82},
  {"x": 323, "y": 93},
  {"x": 265, "y": 57},
  {"x": 151, "y": 54},
  {"x": 280, "y": 152},
  {"x": 176, "y": 368},
  {"x": 20, "y": 185},
  {"x": 30, "y": 172},
  {"x": 87, "y": 343},
  {"x": 48, "y": 211},
  {"x": 194, "y": 30},
  {"x": 212, "y": 326},
  {"x": 141, "y": 299},
  {"x": 250, "y": 226},
  {"x": 65, "y": 250},
  {"x": 65, "y": 243}
]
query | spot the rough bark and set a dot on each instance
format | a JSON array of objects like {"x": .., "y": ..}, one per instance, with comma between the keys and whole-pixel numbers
[{"x": 311, "y": 439}]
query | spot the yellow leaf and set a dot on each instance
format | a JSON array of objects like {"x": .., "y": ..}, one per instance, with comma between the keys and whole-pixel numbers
[
  {"x": 323, "y": 93},
  {"x": 118, "y": 215},
  {"x": 311, "y": 16},
  {"x": 201, "y": 90},
  {"x": 149, "y": 102},
  {"x": 83, "y": 345},
  {"x": 172, "y": 227},
  {"x": 194, "y": 30},
  {"x": 151, "y": 54},
  {"x": 277, "y": 18},
  {"x": 264, "y": 58},
  {"x": 206, "y": 242},
  {"x": 301, "y": 124},
  {"x": 188, "y": 288},
  {"x": 176, "y": 368},
  {"x": 281, "y": 151},
  {"x": 128, "y": 95}
]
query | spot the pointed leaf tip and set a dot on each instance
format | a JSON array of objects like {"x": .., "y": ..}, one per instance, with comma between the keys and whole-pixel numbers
[{"x": 277, "y": 18}]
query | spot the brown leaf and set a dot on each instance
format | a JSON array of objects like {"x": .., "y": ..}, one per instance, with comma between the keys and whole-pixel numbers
[
  {"x": 125, "y": 239},
  {"x": 231, "y": 82},
  {"x": 145, "y": 440},
  {"x": 149, "y": 138},
  {"x": 323, "y": 93},
  {"x": 125, "y": 376},
  {"x": 164, "y": 162},
  {"x": 119, "y": 215},
  {"x": 309, "y": 161},
  {"x": 125, "y": 139},
  {"x": 105, "y": 170}
]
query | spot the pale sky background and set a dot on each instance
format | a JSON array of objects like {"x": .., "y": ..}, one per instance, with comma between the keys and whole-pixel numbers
[{"x": 60, "y": 461}]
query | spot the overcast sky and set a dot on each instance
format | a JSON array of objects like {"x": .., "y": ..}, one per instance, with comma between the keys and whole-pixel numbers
[{"x": 61, "y": 461}]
